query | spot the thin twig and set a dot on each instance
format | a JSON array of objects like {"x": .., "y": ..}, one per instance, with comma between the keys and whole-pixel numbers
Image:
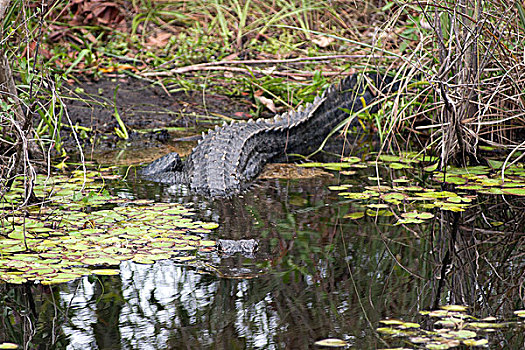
[
  {"x": 247, "y": 71},
  {"x": 220, "y": 64}
]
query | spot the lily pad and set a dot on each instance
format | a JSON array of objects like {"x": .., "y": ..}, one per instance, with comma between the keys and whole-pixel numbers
[
  {"x": 355, "y": 216},
  {"x": 106, "y": 272},
  {"x": 475, "y": 342},
  {"x": 457, "y": 308},
  {"x": 520, "y": 313},
  {"x": 515, "y": 191},
  {"x": 332, "y": 343}
]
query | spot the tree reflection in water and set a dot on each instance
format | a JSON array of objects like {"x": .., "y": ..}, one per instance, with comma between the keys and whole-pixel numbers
[{"x": 315, "y": 276}]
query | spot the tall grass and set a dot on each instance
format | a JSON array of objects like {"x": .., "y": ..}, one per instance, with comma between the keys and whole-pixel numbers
[
  {"x": 472, "y": 58},
  {"x": 28, "y": 96}
]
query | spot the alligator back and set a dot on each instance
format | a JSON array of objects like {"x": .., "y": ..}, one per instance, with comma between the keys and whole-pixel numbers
[{"x": 230, "y": 156}]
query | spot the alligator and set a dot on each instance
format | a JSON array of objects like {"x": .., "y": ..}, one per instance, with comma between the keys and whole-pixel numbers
[{"x": 228, "y": 158}]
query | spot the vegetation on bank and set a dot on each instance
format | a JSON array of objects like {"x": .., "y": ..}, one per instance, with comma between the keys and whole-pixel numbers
[{"x": 465, "y": 61}]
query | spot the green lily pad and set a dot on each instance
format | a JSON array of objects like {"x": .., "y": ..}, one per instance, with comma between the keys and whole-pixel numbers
[
  {"x": 408, "y": 221},
  {"x": 339, "y": 188},
  {"x": 431, "y": 168},
  {"x": 515, "y": 191},
  {"x": 470, "y": 187},
  {"x": 378, "y": 212},
  {"x": 455, "y": 180},
  {"x": 355, "y": 216},
  {"x": 106, "y": 272},
  {"x": 457, "y": 308},
  {"x": 389, "y": 158},
  {"x": 352, "y": 159},
  {"x": 462, "y": 334},
  {"x": 100, "y": 261},
  {"x": 485, "y": 325},
  {"x": 392, "y": 322},
  {"x": 332, "y": 343},
  {"x": 520, "y": 313},
  {"x": 399, "y": 166},
  {"x": 354, "y": 195},
  {"x": 492, "y": 190},
  {"x": 475, "y": 342},
  {"x": 377, "y": 206}
]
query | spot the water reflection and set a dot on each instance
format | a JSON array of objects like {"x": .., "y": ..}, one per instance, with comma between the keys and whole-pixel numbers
[{"x": 315, "y": 276}]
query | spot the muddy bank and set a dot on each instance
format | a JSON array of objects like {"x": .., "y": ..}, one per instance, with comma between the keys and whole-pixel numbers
[{"x": 153, "y": 117}]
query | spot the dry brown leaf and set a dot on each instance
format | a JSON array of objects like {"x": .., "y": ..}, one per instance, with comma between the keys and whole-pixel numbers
[
  {"x": 267, "y": 103},
  {"x": 323, "y": 41},
  {"x": 159, "y": 39}
]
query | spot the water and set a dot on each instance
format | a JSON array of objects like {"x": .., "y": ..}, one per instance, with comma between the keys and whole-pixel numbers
[{"x": 316, "y": 275}]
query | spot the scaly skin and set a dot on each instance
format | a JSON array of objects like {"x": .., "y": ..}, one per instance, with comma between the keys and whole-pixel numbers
[{"x": 228, "y": 158}]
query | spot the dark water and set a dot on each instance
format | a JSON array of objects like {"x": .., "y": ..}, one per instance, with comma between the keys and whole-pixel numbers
[{"x": 316, "y": 275}]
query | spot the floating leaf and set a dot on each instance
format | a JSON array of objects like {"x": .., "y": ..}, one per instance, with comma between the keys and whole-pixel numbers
[
  {"x": 515, "y": 191},
  {"x": 332, "y": 343},
  {"x": 456, "y": 180},
  {"x": 437, "y": 194},
  {"x": 377, "y": 206},
  {"x": 389, "y": 158},
  {"x": 449, "y": 322},
  {"x": 354, "y": 195},
  {"x": 442, "y": 345},
  {"x": 417, "y": 215},
  {"x": 355, "y": 215},
  {"x": 457, "y": 308},
  {"x": 419, "y": 340},
  {"x": 470, "y": 187},
  {"x": 474, "y": 342},
  {"x": 394, "y": 331},
  {"x": 462, "y": 334},
  {"x": 490, "y": 182},
  {"x": 455, "y": 207},
  {"x": 399, "y": 166},
  {"x": 410, "y": 325},
  {"x": 431, "y": 168},
  {"x": 351, "y": 159},
  {"x": 339, "y": 188},
  {"x": 485, "y": 325},
  {"x": 408, "y": 221},
  {"x": 310, "y": 165},
  {"x": 391, "y": 322},
  {"x": 495, "y": 164},
  {"x": 394, "y": 195},
  {"x": 106, "y": 272},
  {"x": 380, "y": 188},
  {"x": 183, "y": 258},
  {"x": 141, "y": 259},
  {"x": 520, "y": 313},
  {"x": 492, "y": 190}
]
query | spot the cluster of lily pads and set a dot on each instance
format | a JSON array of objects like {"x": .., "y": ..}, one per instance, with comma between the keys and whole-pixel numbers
[
  {"x": 412, "y": 203},
  {"x": 452, "y": 327},
  {"x": 82, "y": 231}
]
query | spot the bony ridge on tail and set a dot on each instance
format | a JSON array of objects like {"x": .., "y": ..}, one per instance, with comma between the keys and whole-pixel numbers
[{"x": 229, "y": 157}]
